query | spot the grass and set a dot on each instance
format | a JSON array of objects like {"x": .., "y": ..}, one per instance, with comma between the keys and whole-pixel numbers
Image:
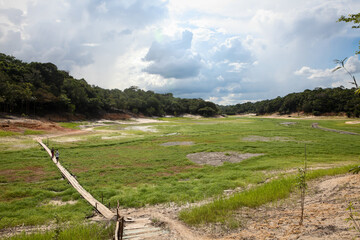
[
  {"x": 221, "y": 210},
  {"x": 28, "y": 181},
  {"x": 8, "y": 133},
  {"x": 33, "y": 132},
  {"x": 77, "y": 232},
  {"x": 136, "y": 170},
  {"x": 71, "y": 125}
]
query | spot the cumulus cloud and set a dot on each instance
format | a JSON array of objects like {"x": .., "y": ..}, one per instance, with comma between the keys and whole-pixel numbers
[
  {"x": 173, "y": 59},
  {"x": 75, "y": 34},
  {"x": 229, "y": 52},
  {"x": 331, "y": 77}
]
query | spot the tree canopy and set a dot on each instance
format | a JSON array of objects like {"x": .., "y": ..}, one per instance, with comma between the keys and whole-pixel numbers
[
  {"x": 318, "y": 101},
  {"x": 40, "y": 88},
  {"x": 355, "y": 19}
]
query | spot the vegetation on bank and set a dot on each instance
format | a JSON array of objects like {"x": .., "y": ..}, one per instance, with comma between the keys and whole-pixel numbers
[
  {"x": 316, "y": 102},
  {"x": 94, "y": 231},
  {"x": 40, "y": 88}
]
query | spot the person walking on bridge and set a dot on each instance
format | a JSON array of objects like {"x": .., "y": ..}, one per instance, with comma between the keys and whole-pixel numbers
[
  {"x": 52, "y": 153},
  {"x": 57, "y": 154}
]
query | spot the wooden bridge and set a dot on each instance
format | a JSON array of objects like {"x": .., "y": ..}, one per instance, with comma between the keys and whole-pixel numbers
[
  {"x": 137, "y": 229},
  {"x": 101, "y": 208}
]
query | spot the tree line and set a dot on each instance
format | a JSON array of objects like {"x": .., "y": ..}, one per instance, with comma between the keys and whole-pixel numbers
[
  {"x": 317, "y": 102},
  {"x": 40, "y": 88}
]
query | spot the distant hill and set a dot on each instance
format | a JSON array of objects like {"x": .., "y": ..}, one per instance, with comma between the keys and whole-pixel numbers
[
  {"x": 317, "y": 102},
  {"x": 41, "y": 89}
]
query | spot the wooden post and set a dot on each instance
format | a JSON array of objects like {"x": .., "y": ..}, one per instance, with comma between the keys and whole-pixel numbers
[
  {"x": 117, "y": 211},
  {"x": 117, "y": 230},
  {"x": 121, "y": 228}
]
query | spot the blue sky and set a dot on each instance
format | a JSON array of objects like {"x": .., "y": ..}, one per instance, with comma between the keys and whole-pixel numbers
[{"x": 228, "y": 51}]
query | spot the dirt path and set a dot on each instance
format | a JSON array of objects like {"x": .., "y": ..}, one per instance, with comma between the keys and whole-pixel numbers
[
  {"x": 325, "y": 214},
  {"x": 316, "y": 125}
]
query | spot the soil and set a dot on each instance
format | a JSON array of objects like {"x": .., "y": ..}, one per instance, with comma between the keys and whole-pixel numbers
[
  {"x": 325, "y": 215},
  {"x": 352, "y": 122},
  {"x": 218, "y": 158},
  {"x": 21, "y": 124},
  {"x": 61, "y": 203}
]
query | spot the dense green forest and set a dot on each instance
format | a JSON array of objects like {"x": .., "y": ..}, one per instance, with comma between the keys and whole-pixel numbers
[
  {"x": 317, "y": 102},
  {"x": 40, "y": 88}
]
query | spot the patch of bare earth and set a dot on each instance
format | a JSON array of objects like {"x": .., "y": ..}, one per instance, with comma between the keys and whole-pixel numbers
[
  {"x": 61, "y": 203},
  {"x": 325, "y": 214},
  {"x": 177, "y": 144},
  {"x": 353, "y": 122},
  {"x": 218, "y": 158},
  {"x": 26, "y": 174},
  {"x": 21, "y": 124}
]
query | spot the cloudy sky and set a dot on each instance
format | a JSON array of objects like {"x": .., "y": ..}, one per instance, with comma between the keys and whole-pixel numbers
[{"x": 227, "y": 51}]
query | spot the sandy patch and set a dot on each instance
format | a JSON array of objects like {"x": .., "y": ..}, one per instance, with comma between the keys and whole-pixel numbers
[
  {"x": 146, "y": 120},
  {"x": 326, "y": 212},
  {"x": 23, "y": 146},
  {"x": 115, "y": 137},
  {"x": 288, "y": 123},
  {"x": 177, "y": 143},
  {"x": 61, "y": 203},
  {"x": 353, "y": 122},
  {"x": 218, "y": 158},
  {"x": 253, "y": 138},
  {"x": 191, "y": 116},
  {"x": 65, "y": 140},
  {"x": 142, "y": 128}
]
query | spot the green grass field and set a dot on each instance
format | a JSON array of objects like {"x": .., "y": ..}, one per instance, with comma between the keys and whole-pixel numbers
[{"x": 126, "y": 163}]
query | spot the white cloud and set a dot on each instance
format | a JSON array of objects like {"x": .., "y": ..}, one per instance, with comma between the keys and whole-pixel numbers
[
  {"x": 331, "y": 77},
  {"x": 231, "y": 51}
]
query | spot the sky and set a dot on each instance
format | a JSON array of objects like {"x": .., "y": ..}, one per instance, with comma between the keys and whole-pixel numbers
[{"x": 228, "y": 51}]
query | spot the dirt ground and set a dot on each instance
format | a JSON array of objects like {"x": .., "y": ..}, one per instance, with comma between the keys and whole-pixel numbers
[
  {"x": 218, "y": 158},
  {"x": 20, "y": 124},
  {"x": 325, "y": 216}
]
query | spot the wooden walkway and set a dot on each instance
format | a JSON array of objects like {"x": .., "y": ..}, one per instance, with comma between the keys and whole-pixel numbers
[
  {"x": 87, "y": 196},
  {"x": 142, "y": 229},
  {"x": 316, "y": 125}
]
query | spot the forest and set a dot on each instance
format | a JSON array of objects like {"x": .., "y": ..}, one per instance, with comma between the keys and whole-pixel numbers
[
  {"x": 317, "y": 102},
  {"x": 40, "y": 88}
]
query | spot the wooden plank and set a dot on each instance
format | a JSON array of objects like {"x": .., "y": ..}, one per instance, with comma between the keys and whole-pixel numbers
[
  {"x": 117, "y": 230},
  {"x": 107, "y": 213}
]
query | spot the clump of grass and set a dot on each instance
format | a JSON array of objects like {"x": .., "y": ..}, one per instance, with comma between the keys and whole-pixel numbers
[
  {"x": 220, "y": 210},
  {"x": 7, "y": 133},
  {"x": 78, "y": 232},
  {"x": 33, "y": 132},
  {"x": 72, "y": 125}
]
